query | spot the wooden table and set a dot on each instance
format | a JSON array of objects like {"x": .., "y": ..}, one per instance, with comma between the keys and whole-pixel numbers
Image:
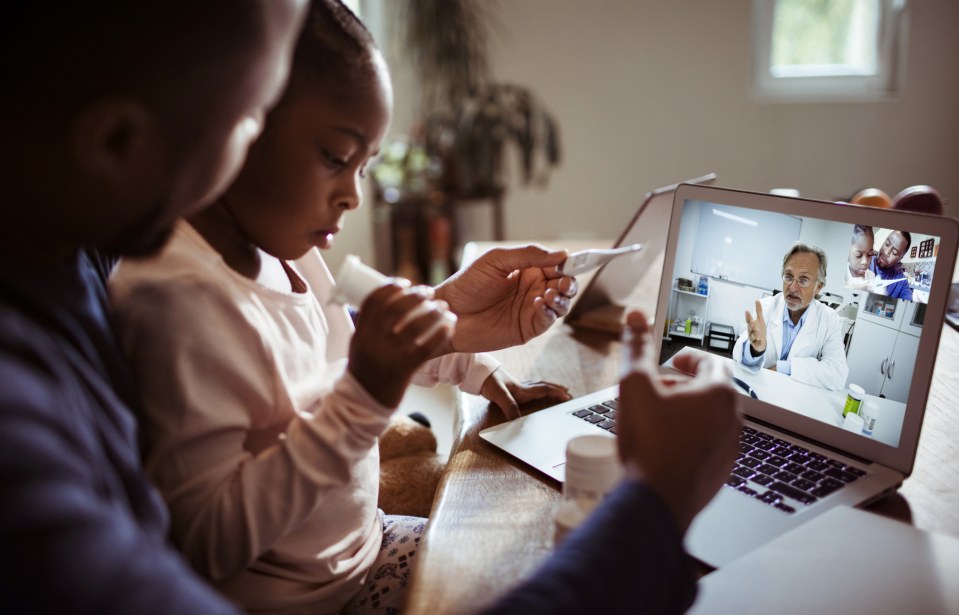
[{"x": 492, "y": 520}]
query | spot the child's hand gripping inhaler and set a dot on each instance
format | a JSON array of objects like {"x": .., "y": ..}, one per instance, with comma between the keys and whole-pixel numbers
[{"x": 355, "y": 281}]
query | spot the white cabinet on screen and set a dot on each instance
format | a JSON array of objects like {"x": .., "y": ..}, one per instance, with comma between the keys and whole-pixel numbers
[
  {"x": 899, "y": 370},
  {"x": 686, "y": 305},
  {"x": 882, "y": 356}
]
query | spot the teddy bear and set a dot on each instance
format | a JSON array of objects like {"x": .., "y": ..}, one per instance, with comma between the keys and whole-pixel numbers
[{"x": 410, "y": 468}]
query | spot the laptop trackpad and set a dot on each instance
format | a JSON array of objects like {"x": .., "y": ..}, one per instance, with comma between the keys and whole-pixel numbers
[
  {"x": 540, "y": 441},
  {"x": 734, "y": 524}
]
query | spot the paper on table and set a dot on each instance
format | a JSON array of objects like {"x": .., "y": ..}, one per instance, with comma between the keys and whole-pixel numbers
[{"x": 844, "y": 561}]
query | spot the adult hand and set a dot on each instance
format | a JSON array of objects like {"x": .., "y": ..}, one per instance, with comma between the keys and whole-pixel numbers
[
  {"x": 393, "y": 338},
  {"x": 757, "y": 330},
  {"x": 504, "y": 391},
  {"x": 679, "y": 435},
  {"x": 507, "y": 297}
]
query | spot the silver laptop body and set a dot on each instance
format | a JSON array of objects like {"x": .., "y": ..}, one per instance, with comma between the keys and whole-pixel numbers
[{"x": 737, "y": 521}]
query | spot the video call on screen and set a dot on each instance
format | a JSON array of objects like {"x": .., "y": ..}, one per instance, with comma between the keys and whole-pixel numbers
[{"x": 877, "y": 282}]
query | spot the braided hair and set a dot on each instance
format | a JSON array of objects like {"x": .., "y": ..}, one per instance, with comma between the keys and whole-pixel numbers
[{"x": 335, "y": 50}]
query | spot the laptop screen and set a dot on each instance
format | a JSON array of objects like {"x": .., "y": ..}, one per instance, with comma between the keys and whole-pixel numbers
[{"x": 815, "y": 316}]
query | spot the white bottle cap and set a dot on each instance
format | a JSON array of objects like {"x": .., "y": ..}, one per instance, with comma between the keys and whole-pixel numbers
[
  {"x": 856, "y": 391},
  {"x": 853, "y": 422},
  {"x": 593, "y": 467},
  {"x": 355, "y": 281}
]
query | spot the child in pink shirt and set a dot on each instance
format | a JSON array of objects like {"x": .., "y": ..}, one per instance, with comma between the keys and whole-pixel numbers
[{"x": 262, "y": 405}]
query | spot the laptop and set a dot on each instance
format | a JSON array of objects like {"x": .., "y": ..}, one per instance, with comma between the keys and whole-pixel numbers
[
  {"x": 623, "y": 283},
  {"x": 797, "y": 458}
]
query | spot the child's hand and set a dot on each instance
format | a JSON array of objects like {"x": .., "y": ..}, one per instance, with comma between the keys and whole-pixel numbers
[
  {"x": 504, "y": 391},
  {"x": 394, "y": 336}
]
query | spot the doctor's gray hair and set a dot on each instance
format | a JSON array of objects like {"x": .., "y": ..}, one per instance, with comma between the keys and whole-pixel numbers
[{"x": 799, "y": 248}]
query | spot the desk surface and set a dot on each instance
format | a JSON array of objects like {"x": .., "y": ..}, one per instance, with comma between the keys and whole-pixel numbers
[{"x": 492, "y": 520}]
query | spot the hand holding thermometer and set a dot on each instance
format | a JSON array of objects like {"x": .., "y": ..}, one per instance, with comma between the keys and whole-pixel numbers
[
  {"x": 587, "y": 260},
  {"x": 877, "y": 283}
]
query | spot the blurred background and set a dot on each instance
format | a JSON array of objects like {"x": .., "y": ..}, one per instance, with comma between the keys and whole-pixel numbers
[{"x": 622, "y": 96}]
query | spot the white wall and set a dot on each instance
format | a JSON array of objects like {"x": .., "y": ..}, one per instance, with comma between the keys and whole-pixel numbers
[{"x": 649, "y": 92}]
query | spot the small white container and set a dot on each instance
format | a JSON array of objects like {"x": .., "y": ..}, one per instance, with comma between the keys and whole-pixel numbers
[
  {"x": 593, "y": 469},
  {"x": 868, "y": 413},
  {"x": 355, "y": 281},
  {"x": 853, "y": 423}
]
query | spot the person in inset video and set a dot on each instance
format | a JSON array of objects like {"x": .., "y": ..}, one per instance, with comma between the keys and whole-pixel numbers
[
  {"x": 861, "y": 252},
  {"x": 887, "y": 266},
  {"x": 799, "y": 336}
]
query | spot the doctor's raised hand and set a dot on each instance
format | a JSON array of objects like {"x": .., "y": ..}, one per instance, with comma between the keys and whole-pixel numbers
[
  {"x": 757, "y": 330},
  {"x": 507, "y": 297}
]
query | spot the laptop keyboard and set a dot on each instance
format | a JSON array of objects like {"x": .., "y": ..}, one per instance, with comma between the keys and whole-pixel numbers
[
  {"x": 602, "y": 415},
  {"x": 784, "y": 475}
]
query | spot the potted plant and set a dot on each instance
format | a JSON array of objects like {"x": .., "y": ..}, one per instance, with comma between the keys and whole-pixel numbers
[
  {"x": 468, "y": 119},
  {"x": 458, "y": 151}
]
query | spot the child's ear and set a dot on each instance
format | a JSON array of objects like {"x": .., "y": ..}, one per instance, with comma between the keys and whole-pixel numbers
[{"x": 113, "y": 140}]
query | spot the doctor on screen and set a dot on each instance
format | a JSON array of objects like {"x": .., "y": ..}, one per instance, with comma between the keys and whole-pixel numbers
[{"x": 792, "y": 332}]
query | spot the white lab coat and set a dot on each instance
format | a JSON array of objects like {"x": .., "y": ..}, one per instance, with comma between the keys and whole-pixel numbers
[{"x": 817, "y": 356}]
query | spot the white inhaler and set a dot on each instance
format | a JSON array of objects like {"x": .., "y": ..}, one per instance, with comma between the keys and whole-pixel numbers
[{"x": 355, "y": 281}]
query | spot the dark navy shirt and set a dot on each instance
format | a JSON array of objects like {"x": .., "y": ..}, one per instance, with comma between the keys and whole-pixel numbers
[
  {"x": 900, "y": 289},
  {"x": 81, "y": 529}
]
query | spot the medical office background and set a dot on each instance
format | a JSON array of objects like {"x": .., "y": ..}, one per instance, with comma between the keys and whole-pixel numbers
[{"x": 651, "y": 92}]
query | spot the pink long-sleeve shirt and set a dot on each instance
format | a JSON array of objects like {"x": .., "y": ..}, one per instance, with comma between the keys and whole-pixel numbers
[{"x": 261, "y": 442}]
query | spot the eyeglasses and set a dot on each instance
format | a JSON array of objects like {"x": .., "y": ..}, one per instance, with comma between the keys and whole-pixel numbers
[{"x": 802, "y": 281}]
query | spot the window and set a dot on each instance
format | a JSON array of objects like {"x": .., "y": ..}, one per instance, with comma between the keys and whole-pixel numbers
[{"x": 828, "y": 50}]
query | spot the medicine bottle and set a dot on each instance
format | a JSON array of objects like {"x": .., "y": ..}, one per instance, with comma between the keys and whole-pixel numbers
[
  {"x": 854, "y": 395},
  {"x": 593, "y": 469}
]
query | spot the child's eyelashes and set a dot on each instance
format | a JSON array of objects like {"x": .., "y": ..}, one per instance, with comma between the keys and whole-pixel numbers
[
  {"x": 333, "y": 159},
  {"x": 356, "y": 162}
]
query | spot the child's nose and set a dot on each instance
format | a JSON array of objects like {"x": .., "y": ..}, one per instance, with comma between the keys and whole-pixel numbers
[
  {"x": 348, "y": 202},
  {"x": 351, "y": 195}
]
